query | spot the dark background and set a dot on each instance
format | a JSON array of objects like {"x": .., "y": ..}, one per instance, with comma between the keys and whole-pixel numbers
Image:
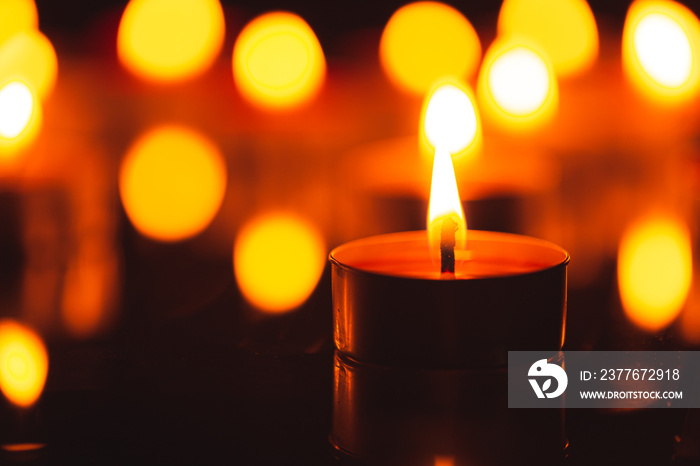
[{"x": 216, "y": 386}]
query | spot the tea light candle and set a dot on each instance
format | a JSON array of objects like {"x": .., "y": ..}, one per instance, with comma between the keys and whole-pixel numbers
[
  {"x": 392, "y": 306},
  {"x": 445, "y": 297}
]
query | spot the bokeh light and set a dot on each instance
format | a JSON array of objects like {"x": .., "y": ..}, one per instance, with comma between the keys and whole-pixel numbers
[
  {"x": 29, "y": 56},
  {"x": 427, "y": 41},
  {"x": 519, "y": 82},
  {"x": 661, "y": 50},
  {"x": 450, "y": 119},
  {"x": 564, "y": 29},
  {"x": 278, "y": 62},
  {"x": 20, "y": 118},
  {"x": 16, "y": 108},
  {"x": 442, "y": 460},
  {"x": 278, "y": 259},
  {"x": 654, "y": 271},
  {"x": 88, "y": 293},
  {"x": 517, "y": 88},
  {"x": 170, "y": 40},
  {"x": 24, "y": 363},
  {"x": 172, "y": 182},
  {"x": 17, "y": 16}
]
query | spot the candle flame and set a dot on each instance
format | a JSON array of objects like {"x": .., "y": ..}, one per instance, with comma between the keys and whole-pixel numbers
[
  {"x": 445, "y": 205},
  {"x": 450, "y": 125},
  {"x": 450, "y": 119},
  {"x": 660, "y": 50},
  {"x": 23, "y": 363},
  {"x": 654, "y": 271}
]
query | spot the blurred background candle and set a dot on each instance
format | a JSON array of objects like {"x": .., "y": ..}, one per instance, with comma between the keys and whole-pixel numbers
[{"x": 24, "y": 364}]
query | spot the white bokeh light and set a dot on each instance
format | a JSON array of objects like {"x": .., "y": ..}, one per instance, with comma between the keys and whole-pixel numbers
[
  {"x": 663, "y": 49},
  {"x": 16, "y": 108},
  {"x": 519, "y": 81}
]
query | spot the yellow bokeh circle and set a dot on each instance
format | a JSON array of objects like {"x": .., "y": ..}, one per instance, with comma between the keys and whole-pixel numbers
[
  {"x": 427, "y": 41},
  {"x": 564, "y": 29},
  {"x": 17, "y": 16},
  {"x": 278, "y": 259},
  {"x": 654, "y": 271},
  {"x": 278, "y": 62},
  {"x": 172, "y": 182},
  {"x": 24, "y": 363},
  {"x": 170, "y": 40}
]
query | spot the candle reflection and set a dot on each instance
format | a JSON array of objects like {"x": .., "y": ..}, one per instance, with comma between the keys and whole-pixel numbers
[{"x": 389, "y": 415}]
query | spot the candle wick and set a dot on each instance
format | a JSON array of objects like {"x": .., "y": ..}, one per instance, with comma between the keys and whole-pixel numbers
[{"x": 447, "y": 248}]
